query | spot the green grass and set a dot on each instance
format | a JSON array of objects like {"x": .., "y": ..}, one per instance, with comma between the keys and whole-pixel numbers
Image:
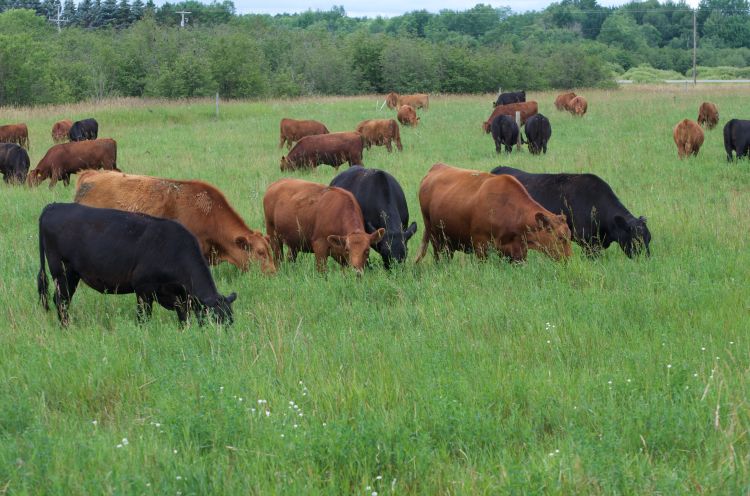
[{"x": 607, "y": 376}]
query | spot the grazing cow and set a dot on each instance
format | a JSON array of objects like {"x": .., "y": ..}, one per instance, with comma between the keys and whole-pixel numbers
[
  {"x": 578, "y": 106},
  {"x": 383, "y": 205},
  {"x": 417, "y": 100},
  {"x": 688, "y": 136},
  {"x": 527, "y": 109},
  {"x": 14, "y": 163},
  {"x": 563, "y": 99},
  {"x": 708, "y": 115},
  {"x": 122, "y": 253},
  {"x": 294, "y": 130},
  {"x": 594, "y": 214},
  {"x": 474, "y": 211},
  {"x": 333, "y": 149},
  {"x": 380, "y": 132},
  {"x": 68, "y": 158},
  {"x": 315, "y": 218},
  {"x": 199, "y": 206},
  {"x": 87, "y": 129},
  {"x": 737, "y": 138},
  {"x": 504, "y": 132},
  {"x": 538, "y": 132},
  {"x": 15, "y": 133},
  {"x": 407, "y": 116},
  {"x": 510, "y": 97},
  {"x": 61, "y": 131}
]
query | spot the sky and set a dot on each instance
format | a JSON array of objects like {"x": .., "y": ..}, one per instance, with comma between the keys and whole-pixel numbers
[{"x": 390, "y": 8}]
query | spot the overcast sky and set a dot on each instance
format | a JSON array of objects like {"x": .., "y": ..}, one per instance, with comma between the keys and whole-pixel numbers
[{"x": 389, "y": 8}]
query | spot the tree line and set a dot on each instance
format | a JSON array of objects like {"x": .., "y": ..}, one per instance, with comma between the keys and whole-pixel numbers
[{"x": 110, "y": 48}]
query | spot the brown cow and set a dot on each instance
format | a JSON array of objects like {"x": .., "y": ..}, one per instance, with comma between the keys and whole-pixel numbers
[
  {"x": 15, "y": 133},
  {"x": 294, "y": 130},
  {"x": 333, "y": 149},
  {"x": 199, "y": 206},
  {"x": 60, "y": 130},
  {"x": 708, "y": 115},
  {"x": 474, "y": 211},
  {"x": 380, "y": 132},
  {"x": 562, "y": 100},
  {"x": 315, "y": 218},
  {"x": 688, "y": 136},
  {"x": 527, "y": 109},
  {"x": 407, "y": 116},
  {"x": 65, "y": 159},
  {"x": 417, "y": 100},
  {"x": 578, "y": 106}
]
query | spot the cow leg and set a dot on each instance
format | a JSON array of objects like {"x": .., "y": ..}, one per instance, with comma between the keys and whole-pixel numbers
[
  {"x": 144, "y": 305},
  {"x": 388, "y": 146},
  {"x": 292, "y": 255},
  {"x": 66, "y": 180},
  {"x": 425, "y": 241},
  {"x": 320, "y": 248},
  {"x": 65, "y": 288},
  {"x": 281, "y": 142}
]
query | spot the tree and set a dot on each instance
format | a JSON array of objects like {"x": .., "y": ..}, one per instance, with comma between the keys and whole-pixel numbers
[
  {"x": 622, "y": 31},
  {"x": 136, "y": 11},
  {"x": 123, "y": 16},
  {"x": 107, "y": 13},
  {"x": 69, "y": 11}
]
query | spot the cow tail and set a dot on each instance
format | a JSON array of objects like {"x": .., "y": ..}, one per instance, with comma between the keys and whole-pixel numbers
[{"x": 41, "y": 279}]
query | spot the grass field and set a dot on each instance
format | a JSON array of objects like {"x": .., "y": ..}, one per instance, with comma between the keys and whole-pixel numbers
[{"x": 606, "y": 376}]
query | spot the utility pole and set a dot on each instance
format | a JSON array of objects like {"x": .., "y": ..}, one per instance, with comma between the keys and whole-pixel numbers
[
  {"x": 695, "y": 45},
  {"x": 59, "y": 19},
  {"x": 182, "y": 17}
]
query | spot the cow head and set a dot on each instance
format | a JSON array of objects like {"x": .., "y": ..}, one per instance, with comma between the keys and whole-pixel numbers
[
  {"x": 632, "y": 235},
  {"x": 258, "y": 249},
  {"x": 36, "y": 176},
  {"x": 391, "y": 99},
  {"x": 354, "y": 248},
  {"x": 550, "y": 234},
  {"x": 486, "y": 126},
  {"x": 393, "y": 244},
  {"x": 285, "y": 164},
  {"x": 221, "y": 309}
]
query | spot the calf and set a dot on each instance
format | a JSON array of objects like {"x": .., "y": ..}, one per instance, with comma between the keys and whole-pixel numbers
[
  {"x": 563, "y": 99},
  {"x": 383, "y": 205},
  {"x": 504, "y": 132},
  {"x": 293, "y": 130},
  {"x": 87, "y": 129},
  {"x": 737, "y": 138},
  {"x": 15, "y": 133},
  {"x": 688, "y": 136},
  {"x": 14, "y": 163},
  {"x": 407, "y": 116},
  {"x": 708, "y": 115},
  {"x": 593, "y": 212},
  {"x": 416, "y": 101},
  {"x": 61, "y": 131},
  {"x": 538, "y": 132},
  {"x": 333, "y": 149},
  {"x": 121, "y": 253},
  {"x": 578, "y": 106},
  {"x": 65, "y": 159},
  {"x": 380, "y": 132},
  {"x": 310, "y": 217}
]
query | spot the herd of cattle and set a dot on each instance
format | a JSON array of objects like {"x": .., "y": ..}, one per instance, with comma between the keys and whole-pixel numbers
[{"x": 114, "y": 235}]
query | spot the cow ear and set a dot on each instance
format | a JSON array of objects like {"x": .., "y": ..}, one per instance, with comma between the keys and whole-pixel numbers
[
  {"x": 621, "y": 222},
  {"x": 410, "y": 231},
  {"x": 242, "y": 242},
  {"x": 542, "y": 220},
  {"x": 231, "y": 297},
  {"x": 337, "y": 241},
  {"x": 377, "y": 236},
  {"x": 642, "y": 219}
]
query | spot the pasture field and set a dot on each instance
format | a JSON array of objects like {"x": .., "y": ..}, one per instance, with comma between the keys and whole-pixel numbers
[{"x": 606, "y": 376}]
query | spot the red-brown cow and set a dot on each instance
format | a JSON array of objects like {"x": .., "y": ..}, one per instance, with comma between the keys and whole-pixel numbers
[
  {"x": 333, "y": 149},
  {"x": 688, "y": 136},
  {"x": 60, "y": 130},
  {"x": 527, "y": 109},
  {"x": 578, "y": 106},
  {"x": 380, "y": 132},
  {"x": 15, "y": 133},
  {"x": 708, "y": 115},
  {"x": 562, "y": 100},
  {"x": 68, "y": 158},
  {"x": 293, "y": 130},
  {"x": 417, "y": 100},
  {"x": 474, "y": 211},
  {"x": 407, "y": 116},
  {"x": 315, "y": 218}
]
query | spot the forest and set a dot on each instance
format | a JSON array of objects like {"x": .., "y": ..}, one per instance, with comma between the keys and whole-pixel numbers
[{"x": 107, "y": 48}]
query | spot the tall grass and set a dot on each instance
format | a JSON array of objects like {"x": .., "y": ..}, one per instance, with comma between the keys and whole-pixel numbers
[{"x": 595, "y": 376}]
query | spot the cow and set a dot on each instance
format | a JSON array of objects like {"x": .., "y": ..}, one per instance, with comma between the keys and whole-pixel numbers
[
  {"x": 475, "y": 211},
  {"x": 333, "y": 149},
  {"x": 222, "y": 234},
  {"x": 708, "y": 115},
  {"x": 737, "y": 138},
  {"x": 578, "y": 106},
  {"x": 563, "y": 99},
  {"x": 122, "y": 253},
  {"x": 15, "y": 133},
  {"x": 688, "y": 136},
  {"x": 504, "y": 132},
  {"x": 407, "y": 116},
  {"x": 14, "y": 163},
  {"x": 527, "y": 109},
  {"x": 315, "y": 218},
  {"x": 417, "y": 100},
  {"x": 61, "y": 131},
  {"x": 384, "y": 206},
  {"x": 86, "y": 129},
  {"x": 293, "y": 130},
  {"x": 65, "y": 159},
  {"x": 510, "y": 97},
  {"x": 594, "y": 214},
  {"x": 538, "y": 132},
  {"x": 380, "y": 132}
]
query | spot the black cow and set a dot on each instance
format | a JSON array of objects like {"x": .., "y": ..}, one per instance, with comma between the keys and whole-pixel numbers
[
  {"x": 87, "y": 129},
  {"x": 538, "y": 132},
  {"x": 383, "y": 205},
  {"x": 737, "y": 138},
  {"x": 122, "y": 252},
  {"x": 504, "y": 132},
  {"x": 14, "y": 163},
  {"x": 511, "y": 97},
  {"x": 594, "y": 213}
]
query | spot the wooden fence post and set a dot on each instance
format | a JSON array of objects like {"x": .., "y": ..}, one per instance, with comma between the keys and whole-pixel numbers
[{"x": 518, "y": 123}]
